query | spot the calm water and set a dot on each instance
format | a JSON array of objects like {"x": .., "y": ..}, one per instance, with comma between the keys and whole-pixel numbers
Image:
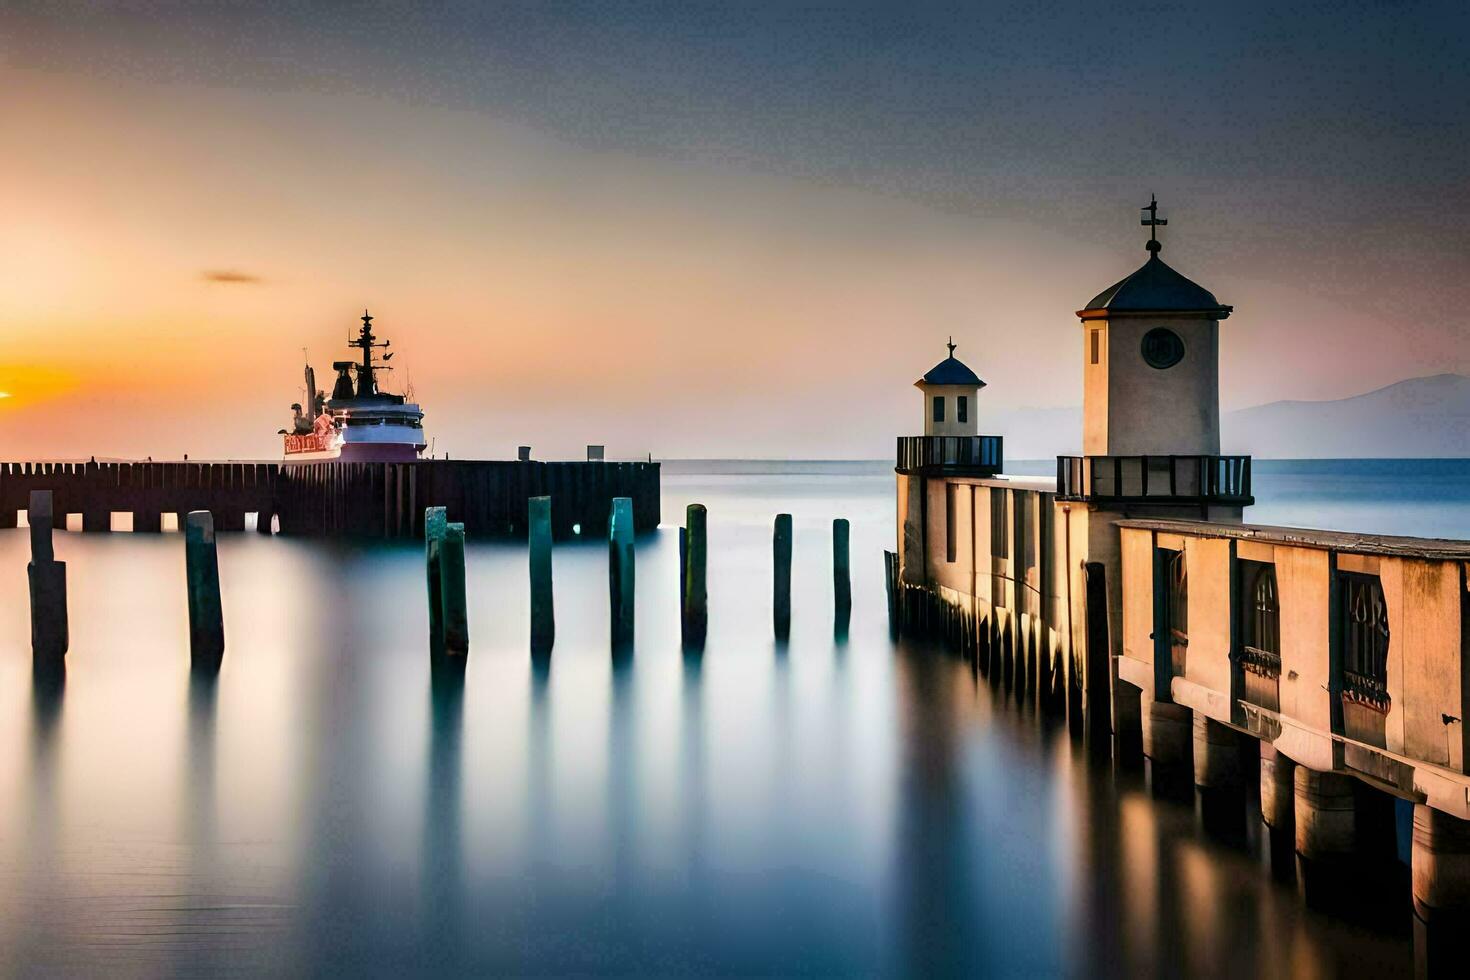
[{"x": 829, "y": 808}]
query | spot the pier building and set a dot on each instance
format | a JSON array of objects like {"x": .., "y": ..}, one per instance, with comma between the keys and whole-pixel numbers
[{"x": 1129, "y": 592}]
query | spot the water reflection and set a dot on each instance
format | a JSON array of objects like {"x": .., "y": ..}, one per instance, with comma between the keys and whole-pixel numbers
[{"x": 329, "y": 804}]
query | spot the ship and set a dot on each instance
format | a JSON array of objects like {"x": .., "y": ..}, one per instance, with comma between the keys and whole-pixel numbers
[{"x": 359, "y": 423}]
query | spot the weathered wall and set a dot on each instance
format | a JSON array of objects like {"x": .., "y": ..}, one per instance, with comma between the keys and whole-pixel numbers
[
  {"x": 1302, "y": 586},
  {"x": 1095, "y": 389},
  {"x": 1425, "y": 664},
  {"x": 1138, "y": 609},
  {"x": 1422, "y": 735},
  {"x": 951, "y": 426},
  {"x": 1148, "y": 410}
]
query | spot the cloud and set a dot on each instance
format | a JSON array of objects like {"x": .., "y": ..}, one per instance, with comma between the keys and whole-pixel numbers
[{"x": 230, "y": 277}]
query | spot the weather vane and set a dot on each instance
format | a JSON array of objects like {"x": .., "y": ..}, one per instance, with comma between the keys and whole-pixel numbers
[
  {"x": 1152, "y": 222},
  {"x": 951, "y": 345}
]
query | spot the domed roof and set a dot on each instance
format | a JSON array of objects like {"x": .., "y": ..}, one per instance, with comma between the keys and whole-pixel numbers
[
  {"x": 1156, "y": 287},
  {"x": 951, "y": 371}
]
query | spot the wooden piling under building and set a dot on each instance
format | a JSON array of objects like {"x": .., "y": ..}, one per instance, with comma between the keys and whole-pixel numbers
[{"x": 378, "y": 500}]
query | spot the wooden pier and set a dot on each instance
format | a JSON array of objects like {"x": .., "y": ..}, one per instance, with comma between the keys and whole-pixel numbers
[{"x": 377, "y": 500}]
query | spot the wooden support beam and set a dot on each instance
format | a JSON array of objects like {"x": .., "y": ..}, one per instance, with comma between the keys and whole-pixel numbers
[
  {"x": 841, "y": 576},
  {"x": 435, "y": 523},
  {"x": 543, "y": 615},
  {"x": 781, "y": 576},
  {"x": 696, "y": 594},
  {"x": 47, "y": 578},
  {"x": 452, "y": 588},
  {"x": 620, "y": 572},
  {"x": 206, "y": 615}
]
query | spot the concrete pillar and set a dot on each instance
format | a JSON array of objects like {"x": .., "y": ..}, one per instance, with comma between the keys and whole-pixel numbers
[
  {"x": 696, "y": 594},
  {"x": 841, "y": 576},
  {"x": 1326, "y": 818},
  {"x": 543, "y": 615},
  {"x": 620, "y": 571},
  {"x": 781, "y": 576},
  {"x": 1127, "y": 718},
  {"x": 1168, "y": 735},
  {"x": 1278, "y": 790},
  {"x": 1216, "y": 755},
  {"x": 1440, "y": 866},
  {"x": 206, "y": 615}
]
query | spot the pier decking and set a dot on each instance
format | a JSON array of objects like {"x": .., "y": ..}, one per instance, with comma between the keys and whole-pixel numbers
[{"x": 380, "y": 500}]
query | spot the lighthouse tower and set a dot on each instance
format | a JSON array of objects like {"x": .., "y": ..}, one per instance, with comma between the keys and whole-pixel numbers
[{"x": 1151, "y": 362}]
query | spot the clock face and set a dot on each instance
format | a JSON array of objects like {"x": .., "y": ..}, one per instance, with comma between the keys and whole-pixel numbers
[{"x": 1162, "y": 348}]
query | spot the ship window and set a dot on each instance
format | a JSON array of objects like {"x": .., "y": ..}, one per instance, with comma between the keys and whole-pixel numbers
[
  {"x": 939, "y": 408},
  {"x": 962, "y": 409}
]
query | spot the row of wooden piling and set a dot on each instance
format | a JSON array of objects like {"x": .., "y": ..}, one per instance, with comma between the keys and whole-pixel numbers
[
  {"x": 47, "y": 579},
  {"x": 444, "y": 544},
  {"x": 444, "y": 552}
]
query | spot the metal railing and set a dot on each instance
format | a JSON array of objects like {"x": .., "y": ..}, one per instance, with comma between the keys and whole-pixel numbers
[
  {"x": 972, "y": 454},
  {"x": 1161, "y": 479}
]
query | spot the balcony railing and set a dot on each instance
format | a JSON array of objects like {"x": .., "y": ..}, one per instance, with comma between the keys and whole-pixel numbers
[
  {"x": 972, "y": 455},
  {"x": 1155, "y": 479}
]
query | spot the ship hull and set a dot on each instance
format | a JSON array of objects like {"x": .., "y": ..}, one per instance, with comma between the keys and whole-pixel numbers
[{"x": 359, "y": 452}]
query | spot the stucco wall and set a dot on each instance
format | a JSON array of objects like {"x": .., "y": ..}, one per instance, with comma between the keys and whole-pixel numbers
[
  {"x": 1425, "y": 601},
  {"x": 1095, "y": 389},
  {"x": 1207, "y": 566},
  {"x": 951, "y": 426},
  {"x": 1152, "y": 411},
  {"x": 1424, "y": 659},
  {"x": 1302, "y": 590}
]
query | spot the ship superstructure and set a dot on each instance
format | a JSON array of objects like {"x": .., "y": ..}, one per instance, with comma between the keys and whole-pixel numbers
[{"x": 358, "y": 423}]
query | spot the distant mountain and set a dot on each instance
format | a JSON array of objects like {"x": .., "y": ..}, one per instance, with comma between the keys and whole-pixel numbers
[
  {"x": 1419, "y": 417},
  {"x": 1415, "y": 418}
]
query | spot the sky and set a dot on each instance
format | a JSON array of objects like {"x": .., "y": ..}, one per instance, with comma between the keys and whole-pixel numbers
[{"x": 701, "y": 229}]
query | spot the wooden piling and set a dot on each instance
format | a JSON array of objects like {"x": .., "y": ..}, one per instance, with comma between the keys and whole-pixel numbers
[
  {"x": 620, "y": 571},
  {"x": 435, "y": 523},
  {"x": 781, "y": 577},
  {"x": 543, "y": 616},
  {"x": 696, "y": 594},
  {"x": 452, "y": 588},
  {"x": 841, "y": 576},
  {"x": 201, "y": 568},
  {"x": 47, "y": 576},
  {"x": 683, "y": 568}
]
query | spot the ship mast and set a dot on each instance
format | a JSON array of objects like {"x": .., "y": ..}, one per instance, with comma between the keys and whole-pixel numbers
[{"x": 366, "y": 383}]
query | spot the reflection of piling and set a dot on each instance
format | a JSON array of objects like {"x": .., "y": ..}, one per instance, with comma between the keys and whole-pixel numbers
[
  {"x": 435, "y": 521},
  {"x": 543, "y": 615},
  {"x": 201, "y": 568},
  {"x": 841, "y": 576},
  {"x": 695, "y": 598},
  {"x": 452, "y": 588},
  {"x": 49, "y": 632},
  {"x": 781, "y": 556},
  {"x": 620, "y": 571}
]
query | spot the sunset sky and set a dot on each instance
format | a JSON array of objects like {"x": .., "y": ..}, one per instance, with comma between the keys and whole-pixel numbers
[{"x": 703, "y": 229}]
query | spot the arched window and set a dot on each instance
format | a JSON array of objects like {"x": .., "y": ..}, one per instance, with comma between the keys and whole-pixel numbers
[
  {"x": 1263, "y": 628},
  {"x": 1365, "y": 641},
  {"x": 1260, "y": 648}
]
